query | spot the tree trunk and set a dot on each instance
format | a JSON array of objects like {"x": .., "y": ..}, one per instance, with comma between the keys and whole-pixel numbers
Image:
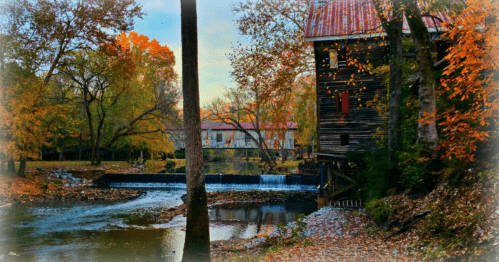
[
  {"x": 395, "y": 38},
  {"x": 2, "y": 162},
  {"x": 61, "y": 152},
  {"x": 129, "y": 154},
  {"x": 92, "y": 153},
  {"x": 427, "y": 130},
  {"x": 97, "y": 156},
  {"x": 22, "y": 167},
  {"x": 11, "y": 165},
  {"x": 80, "y": 146},
  {"x": 98, "y": 143},
  {"x": 197, "y": 235}
]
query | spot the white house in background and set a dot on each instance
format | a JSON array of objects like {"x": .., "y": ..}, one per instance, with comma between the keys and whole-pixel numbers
[{"x": 221, "y": 135}]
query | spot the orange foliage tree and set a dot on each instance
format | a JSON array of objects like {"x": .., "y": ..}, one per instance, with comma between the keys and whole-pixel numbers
[
  {"x": 470, "y": 80},
  {"x": 126, "y": 89},
  {"x": 41, "y": 35}
]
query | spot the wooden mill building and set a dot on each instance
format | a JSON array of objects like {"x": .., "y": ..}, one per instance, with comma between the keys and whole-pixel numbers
[{"x": 347, "y": 36}]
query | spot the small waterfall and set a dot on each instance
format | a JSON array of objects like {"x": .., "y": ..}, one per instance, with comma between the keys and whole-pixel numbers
[
  {"x": 150, "y": 185},
  {"x": 274, "y": 180},
  {"x": 214, "y": 182}
]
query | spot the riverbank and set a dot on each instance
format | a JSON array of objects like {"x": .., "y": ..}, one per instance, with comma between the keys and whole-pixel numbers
[
  {"x": 328, "y": 234},
  {"x": 452, "y": 223},
  {"x": 54, "y": 185}
]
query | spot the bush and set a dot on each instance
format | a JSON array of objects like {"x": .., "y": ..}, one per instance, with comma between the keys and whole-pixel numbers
[
  {"x": 380, "y": 210},
  {"x": 170, "y": 164},
  {"x": 420, "y": 171},
  {"x": 375, "y": 172},
  {"x": 180, "y": 169},
  {"x": 179, "y": 153}
]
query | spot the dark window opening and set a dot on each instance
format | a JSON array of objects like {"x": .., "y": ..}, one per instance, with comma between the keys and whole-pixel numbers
[
  {"x": 321, "y": 57},
  {"x": 342, "y": 59},
  {"x": 219, "y": 137},
  {"x": 344, "y": 139},
  {"x": 440, "y": 50},
  {"x": 246, "y": 138},
  {"x": 342, "y": 102}
]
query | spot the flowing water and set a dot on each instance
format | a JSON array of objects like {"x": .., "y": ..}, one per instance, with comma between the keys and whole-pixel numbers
[{"x": 124, "y": 231}]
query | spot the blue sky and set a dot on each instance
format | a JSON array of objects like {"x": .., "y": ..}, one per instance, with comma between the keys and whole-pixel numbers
[{"x": 217, "y": 33}]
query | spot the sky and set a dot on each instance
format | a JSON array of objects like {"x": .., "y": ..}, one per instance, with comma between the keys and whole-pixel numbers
[{"x": 217, "y": 33}]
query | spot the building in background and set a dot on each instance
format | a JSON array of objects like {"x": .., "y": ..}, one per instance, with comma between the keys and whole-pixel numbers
[{"x": 226, "y": 136}]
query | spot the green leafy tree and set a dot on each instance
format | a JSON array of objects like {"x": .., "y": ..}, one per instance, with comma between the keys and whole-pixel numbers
[
  {"x": 124, "y": 88},
  {"x": 42, "y": 33}
]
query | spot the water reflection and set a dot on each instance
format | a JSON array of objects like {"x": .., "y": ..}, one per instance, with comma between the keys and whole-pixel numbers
[
  {"x": 124, "y": 231},
  {"x": 228, "y": 167}
]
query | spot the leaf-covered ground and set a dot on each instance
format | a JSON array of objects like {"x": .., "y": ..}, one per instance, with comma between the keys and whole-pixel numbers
[
  {"x": 334, "y": 235},
  {"x": 462, "y": 225}
]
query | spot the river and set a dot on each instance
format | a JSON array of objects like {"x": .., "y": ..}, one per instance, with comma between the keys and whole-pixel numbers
[{"x": 124, "y": 231}]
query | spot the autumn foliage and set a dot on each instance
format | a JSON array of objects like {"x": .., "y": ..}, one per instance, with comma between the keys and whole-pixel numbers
[{"x": 470, "y": 80}]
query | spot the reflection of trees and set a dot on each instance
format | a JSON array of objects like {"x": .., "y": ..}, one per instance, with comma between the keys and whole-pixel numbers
[
  {"x": 259, "y": 221},
  {"x": 254, "y": 214}
]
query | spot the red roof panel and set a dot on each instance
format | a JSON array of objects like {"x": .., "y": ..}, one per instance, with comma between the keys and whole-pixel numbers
[
  {"x": 247, "y": 126},
  {"x": 342, "y": 18}
]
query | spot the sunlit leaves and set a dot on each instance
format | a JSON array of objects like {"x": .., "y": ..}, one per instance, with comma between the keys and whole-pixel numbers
[
  {"x": 471, "y": 78},
  {"x": 277, "y": 53}
]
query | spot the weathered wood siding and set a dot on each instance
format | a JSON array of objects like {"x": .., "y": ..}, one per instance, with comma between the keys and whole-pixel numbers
[{"x": 361, "y": 122}]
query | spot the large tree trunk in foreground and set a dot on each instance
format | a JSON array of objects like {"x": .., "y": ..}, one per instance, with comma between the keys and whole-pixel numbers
[
  {"x": 197, "y": 235},
  {"x": 394, "y": 33},
  {"x": 395, "y": 38},
  {"x": 427, "y": 130}
]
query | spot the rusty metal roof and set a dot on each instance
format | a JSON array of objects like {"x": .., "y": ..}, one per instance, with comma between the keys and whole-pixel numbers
[{"x": 343, "y": 19}]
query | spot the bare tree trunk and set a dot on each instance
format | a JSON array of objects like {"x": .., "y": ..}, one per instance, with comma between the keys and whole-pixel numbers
[
  {"x": 97, "y": 151},
  {"x": 61, "y": 149},
  {"x": 427, "y": 130},
  {"x": 197, "y": 235},
  {"x": 395, "y": 38},
  {"x": 11, "y": 165},
  {"x": 80, "y": 146},
  {"x": 2, "y": 162},
  {"x": 129, "y": 155},
  {"x": 393, "y": 30},
  {"x": 22, "y": 167}
]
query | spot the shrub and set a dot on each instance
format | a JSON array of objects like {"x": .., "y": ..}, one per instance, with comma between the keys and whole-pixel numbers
[
  {"x": 381, "y": 210},
  {"x": 420, "y": 171},
  {"x": 375, "y": 172},
  {"x": 170, "y": 164}
]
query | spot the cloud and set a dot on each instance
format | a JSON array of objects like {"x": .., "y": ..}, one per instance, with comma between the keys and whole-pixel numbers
[{"x": 217, "y": 32}]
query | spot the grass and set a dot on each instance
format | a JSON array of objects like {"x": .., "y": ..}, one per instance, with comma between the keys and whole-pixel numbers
[
  {"x": 153, "y": 166},
  {"x": 72, "y": 165},
  {"x": 289, "y": 165}
]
